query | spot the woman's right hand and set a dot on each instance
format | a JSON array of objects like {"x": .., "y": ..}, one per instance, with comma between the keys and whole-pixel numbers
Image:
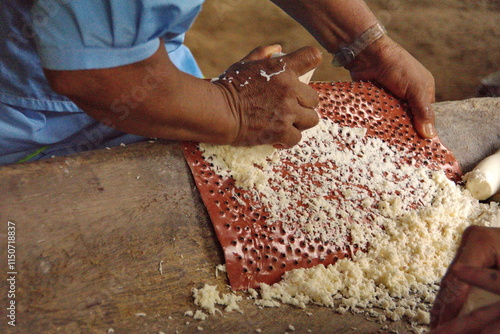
[{"x": 268, "y": 102}]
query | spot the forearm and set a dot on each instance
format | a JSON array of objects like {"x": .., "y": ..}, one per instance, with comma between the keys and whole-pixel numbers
[
  {"x": 151, "y": 98},
  {"x": 334, "y": 23}
]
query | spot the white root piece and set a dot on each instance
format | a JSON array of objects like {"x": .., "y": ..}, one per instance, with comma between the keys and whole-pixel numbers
[{"x": 484, "y": 181}]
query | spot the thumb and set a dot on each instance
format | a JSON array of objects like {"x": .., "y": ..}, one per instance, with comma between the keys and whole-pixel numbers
[
  {"x": 420, "y": 99},
  {"x": 424, "y": 120},
  {"x": 303, "y": 60},
  {"x": 262, "y": 52},
  {"x": 423, "y": 115}
]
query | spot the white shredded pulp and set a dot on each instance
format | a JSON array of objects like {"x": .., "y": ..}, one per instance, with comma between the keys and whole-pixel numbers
[{"x": 411, "y": 218}]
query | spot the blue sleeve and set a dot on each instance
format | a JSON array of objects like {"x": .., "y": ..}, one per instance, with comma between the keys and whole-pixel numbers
[{"x": 92, "y": 34}]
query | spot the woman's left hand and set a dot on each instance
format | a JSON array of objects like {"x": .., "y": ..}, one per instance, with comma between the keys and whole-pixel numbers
[{"x": 388, "y": 64}]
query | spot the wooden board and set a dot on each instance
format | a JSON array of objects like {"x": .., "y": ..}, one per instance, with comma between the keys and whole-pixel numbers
[
  {"x": 470, "y": 128},
  {"x": 92, "y": 229}
]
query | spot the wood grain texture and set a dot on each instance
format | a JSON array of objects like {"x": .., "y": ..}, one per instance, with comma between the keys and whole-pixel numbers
[
  {"x": 91, "y": 233},
  {"x": 470, "y": 128},
  {"x": 93, "y": 228}
]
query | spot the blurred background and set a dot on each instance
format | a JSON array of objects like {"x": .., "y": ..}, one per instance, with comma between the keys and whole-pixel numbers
[{"x": 457, "y": 40}]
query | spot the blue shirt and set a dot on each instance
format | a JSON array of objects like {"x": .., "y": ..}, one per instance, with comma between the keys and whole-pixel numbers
[{"x": 71, "y": 35}]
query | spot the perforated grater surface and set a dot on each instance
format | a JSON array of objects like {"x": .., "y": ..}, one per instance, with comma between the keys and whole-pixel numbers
[{"x": 258, "y": 251}]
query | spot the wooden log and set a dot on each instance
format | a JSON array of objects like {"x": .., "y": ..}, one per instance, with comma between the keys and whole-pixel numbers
[
  {"x": 114, "y": 241},
  {"x": 470, "y": 128}
]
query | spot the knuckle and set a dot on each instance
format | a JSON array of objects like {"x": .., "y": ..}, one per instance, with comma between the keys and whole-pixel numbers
[
  {"x": 479, "y": 235},
  {"x": 427, "y": 114},
  {"x": 476, "y": 232},
  {"x": 312, "y": 54}
]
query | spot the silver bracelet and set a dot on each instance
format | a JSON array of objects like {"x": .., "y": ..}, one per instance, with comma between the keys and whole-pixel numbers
[{"x": 347, "y": 54}]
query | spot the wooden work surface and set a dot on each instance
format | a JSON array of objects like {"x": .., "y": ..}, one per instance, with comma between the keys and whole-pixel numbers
[{"x": 92, "y": 230}]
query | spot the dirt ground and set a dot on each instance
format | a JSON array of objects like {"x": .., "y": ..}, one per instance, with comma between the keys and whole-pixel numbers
[{"x": 457, "y": 40}]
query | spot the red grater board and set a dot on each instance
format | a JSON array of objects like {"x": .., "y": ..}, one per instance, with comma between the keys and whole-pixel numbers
[{"x": 258, "y": 253}]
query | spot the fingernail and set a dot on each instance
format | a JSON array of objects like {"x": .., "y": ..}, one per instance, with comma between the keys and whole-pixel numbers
[{"x": 429, "y": 130}]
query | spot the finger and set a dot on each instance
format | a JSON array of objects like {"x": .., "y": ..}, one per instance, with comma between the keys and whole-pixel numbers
[
  {"x": 450, "y": 299},
  {"x": 306, "y": 119},
  {"x": 451, "y": 291},
  {"x": 423, "y": 119},
  {"x": 423, "y": 114},
  {"x": 472, "y": 250},
  {"x": 289, "y": 139},
  {"x": 303, "y": 60},
  {"x": 487, "y": 279},
  {"x": 262, "y": 52},
  {"x": 308, "y": 97},
  {"x": 474, "y": 322}
]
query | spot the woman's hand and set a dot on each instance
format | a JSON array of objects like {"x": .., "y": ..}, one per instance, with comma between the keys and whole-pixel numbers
[
  {"x": 269, "y": 103},
  {"x": 256, "y": 101},
  {"x": 476, "y": 263},
  {"x": 388, "y": 64}
]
